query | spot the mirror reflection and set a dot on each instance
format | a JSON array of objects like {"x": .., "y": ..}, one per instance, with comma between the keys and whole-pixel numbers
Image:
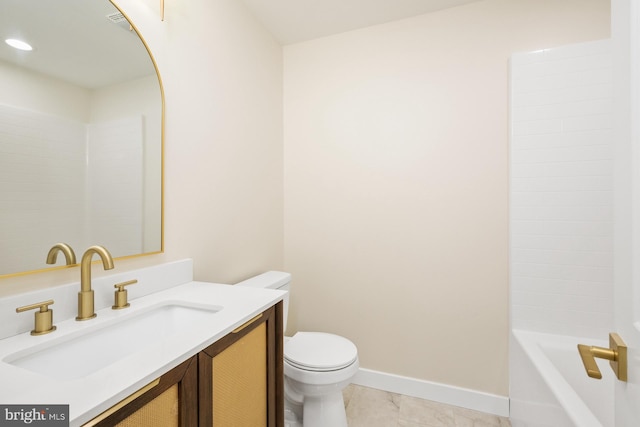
[{"x": 80, "y": 134}]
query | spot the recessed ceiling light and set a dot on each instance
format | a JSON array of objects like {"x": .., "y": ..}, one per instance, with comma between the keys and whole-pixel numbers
[{"x": 18, "y": 44}]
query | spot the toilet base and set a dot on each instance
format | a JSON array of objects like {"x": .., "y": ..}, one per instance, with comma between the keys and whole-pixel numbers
[
  {"x": 292, "y": 407},
  {"x": 290, "y": 419},
  {"x": 324, "y": 411}
]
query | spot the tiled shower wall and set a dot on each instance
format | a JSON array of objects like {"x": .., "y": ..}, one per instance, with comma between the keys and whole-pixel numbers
[
  {"x": 561, "y": 201},
  {"x": 115, "y": 171},
  {"x": 42, "y": 167},
  {"x": 48, "y": 196}
]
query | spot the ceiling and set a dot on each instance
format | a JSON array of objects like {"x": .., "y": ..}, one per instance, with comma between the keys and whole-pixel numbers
[
  {"x": 292, "y": 21},
  {"x": 73, "y": 41}
]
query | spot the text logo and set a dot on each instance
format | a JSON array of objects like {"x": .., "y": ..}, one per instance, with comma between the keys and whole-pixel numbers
[{"x": 34, "y": 415}]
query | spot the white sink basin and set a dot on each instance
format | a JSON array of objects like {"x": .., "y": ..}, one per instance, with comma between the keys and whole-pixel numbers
[{"x": 92, "y": 349}]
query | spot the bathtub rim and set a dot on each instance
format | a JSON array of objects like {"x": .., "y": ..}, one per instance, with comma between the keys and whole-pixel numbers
[{"x": 575, "y": 408}]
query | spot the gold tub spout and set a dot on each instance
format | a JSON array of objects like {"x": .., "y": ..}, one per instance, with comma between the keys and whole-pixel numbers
[
  {"x": 616, "y": 355},
  {"x": 69, "y": 255},
  {"x": 85, "y": 296}
]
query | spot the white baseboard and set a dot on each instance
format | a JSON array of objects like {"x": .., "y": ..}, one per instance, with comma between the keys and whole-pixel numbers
[{"x": 451, "y": 395}]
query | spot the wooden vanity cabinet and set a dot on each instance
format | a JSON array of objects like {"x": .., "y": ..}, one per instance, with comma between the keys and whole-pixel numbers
[
  {"x": 241, "y": 375},
  {"x": 235, "y": 382},
  {"x": 169, "y": 401}
]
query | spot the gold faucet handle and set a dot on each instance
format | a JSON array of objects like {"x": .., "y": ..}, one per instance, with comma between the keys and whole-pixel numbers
[
  {"x": 120, "y": 295},
  {"x": 43, "y": 318},
  {"x": 616, "y": 355}
]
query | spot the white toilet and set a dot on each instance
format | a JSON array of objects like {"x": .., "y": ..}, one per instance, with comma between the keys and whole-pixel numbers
[{"x": 317, "y": 367}]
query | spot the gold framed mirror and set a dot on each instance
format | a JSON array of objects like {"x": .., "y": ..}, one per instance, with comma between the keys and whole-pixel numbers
[{"x": 81, "y": 134}]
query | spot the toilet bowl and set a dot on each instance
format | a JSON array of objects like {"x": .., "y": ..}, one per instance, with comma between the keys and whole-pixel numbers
[{"x": 317, "y": 368}]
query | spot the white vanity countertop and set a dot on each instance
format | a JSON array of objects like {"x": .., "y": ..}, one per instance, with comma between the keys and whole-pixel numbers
[{"x": 90, "y": 395}]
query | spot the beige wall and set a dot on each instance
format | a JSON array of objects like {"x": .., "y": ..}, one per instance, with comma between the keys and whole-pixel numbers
[
  {"x": 222, "y": 74},
  {"x": 395, "y": 165},
  {"x": 396, "y": 175},
  {"x": 36, "y": 92}
]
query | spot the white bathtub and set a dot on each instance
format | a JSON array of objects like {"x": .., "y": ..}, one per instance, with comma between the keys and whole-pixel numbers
[{"x": 549, "y": 386}]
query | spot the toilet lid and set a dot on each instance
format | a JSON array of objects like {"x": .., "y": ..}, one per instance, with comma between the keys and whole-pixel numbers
[{"x": 318, "y": 351}]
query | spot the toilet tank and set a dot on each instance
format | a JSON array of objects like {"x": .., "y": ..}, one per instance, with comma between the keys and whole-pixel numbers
[{"x": 272, "y": 280}]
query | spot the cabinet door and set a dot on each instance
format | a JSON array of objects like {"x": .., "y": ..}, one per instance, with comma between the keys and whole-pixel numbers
[
  {"x": 241, "y": 375},
  {"x": 169, "y": 401}
]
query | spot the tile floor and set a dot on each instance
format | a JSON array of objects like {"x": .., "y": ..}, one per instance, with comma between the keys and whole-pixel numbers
[{"x": 368, "y": 407}]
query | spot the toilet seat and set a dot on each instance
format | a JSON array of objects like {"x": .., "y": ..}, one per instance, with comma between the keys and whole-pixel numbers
[{"x": 319, "y": 352}]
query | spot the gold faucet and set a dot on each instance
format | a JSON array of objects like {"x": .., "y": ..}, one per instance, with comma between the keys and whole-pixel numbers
[
  {"x": 69, "y": 255},
  {"x": 616, "y": 355},
  {"x": 85, "y": 296}
]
